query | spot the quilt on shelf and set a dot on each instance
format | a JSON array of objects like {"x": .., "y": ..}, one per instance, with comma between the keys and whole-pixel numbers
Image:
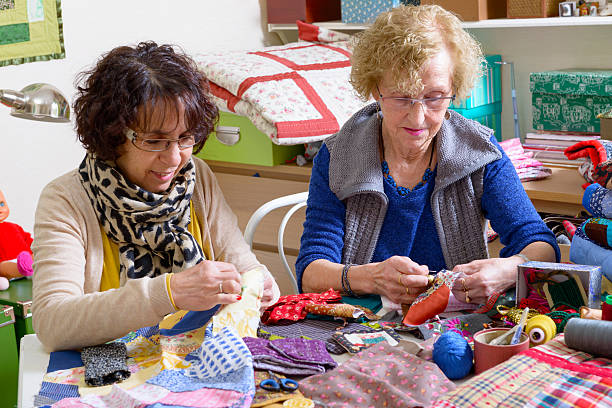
[{"x": 294, "y": 93}]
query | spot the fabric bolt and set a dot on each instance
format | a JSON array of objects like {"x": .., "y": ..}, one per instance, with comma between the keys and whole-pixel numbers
[
  {"x": 517, "y": 381},
  {"x": 105, "y": 364},
  {"x": 291, "y": 307},
  {"x": 304, "y": 350},
  {"x": 315, "y": 329},
  {"x": 268, "y": 358},
  {"x": 580, "y": 390},
  {"x": 597, "y": 200},
  {"x": 379, "y": 376}
]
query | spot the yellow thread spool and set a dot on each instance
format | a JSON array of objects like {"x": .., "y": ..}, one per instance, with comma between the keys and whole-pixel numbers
[{"x": 540, "y": 329}]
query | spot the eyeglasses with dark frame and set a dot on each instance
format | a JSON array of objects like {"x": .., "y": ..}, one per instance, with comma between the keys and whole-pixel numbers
[
  {"x": 159, "y": 145},
  {"x": 428, "y": 104}
]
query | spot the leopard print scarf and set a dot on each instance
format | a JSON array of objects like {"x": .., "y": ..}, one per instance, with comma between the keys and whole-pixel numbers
[{"x": 150, "y": 229}]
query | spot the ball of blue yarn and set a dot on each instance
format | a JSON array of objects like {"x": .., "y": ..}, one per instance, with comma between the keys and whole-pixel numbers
[{"x": 453, "y": 354}]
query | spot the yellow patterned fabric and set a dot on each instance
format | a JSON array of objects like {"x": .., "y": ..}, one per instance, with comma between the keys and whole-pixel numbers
[
  {"x": 31, "y": 30},
  {"x": 244, "y": 315},
  {"x": 110, "y": 271}
]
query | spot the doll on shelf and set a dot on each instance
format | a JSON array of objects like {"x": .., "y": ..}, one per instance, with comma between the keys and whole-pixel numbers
[{"x": 15, "y": 252}]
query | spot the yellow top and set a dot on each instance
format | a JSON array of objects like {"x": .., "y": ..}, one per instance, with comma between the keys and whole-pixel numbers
[{"x": 110, "y": 270}]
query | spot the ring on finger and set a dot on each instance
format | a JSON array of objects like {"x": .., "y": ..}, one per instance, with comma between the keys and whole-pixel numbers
[
  {"x": 430, "y": 280},
  {"x": 220, "y": 287},
  {"x": 467, "y": 297},
  {"x": 399, "y": 279}
]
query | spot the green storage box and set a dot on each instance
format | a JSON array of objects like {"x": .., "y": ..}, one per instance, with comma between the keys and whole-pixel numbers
[
  {"x": 9, "y": 372},
  {"x": 19, "y": 296},
  {"x": 488, "y": 89},
  {"x": 570, "y": 100},
  {"x": 489, "y": 115},
  {"x": 252, "y": 147}
]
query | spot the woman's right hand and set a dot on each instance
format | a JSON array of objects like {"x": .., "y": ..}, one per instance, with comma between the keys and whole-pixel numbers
[
  {"x": 400, "y": 279},
  {"x": 199, "y": 287}
]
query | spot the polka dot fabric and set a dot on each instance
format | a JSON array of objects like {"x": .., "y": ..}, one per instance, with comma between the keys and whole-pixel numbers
[{"x": 381, "y": 376}]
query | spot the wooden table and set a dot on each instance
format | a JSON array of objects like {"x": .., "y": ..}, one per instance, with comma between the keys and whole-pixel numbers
[{"x": 560, "y": 193}]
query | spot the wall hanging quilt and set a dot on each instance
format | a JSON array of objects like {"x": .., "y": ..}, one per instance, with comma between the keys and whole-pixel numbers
[{"x": 30, "y": 30}]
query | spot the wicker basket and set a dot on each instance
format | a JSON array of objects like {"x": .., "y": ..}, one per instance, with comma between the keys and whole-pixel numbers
[{"x": 532, "y": 8}]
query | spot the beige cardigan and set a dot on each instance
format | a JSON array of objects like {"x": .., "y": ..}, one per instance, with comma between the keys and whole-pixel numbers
[{"x": 68, "y": 310}]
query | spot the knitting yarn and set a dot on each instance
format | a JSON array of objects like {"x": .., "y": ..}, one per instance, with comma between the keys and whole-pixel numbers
[
  {"x": 453, "y": 354},
  {"x": 592, "y": 336},
  {"x": 540, "y": 329}
]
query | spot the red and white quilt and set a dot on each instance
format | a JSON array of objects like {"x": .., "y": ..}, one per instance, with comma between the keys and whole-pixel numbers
[{"x": 295, "y": 93}]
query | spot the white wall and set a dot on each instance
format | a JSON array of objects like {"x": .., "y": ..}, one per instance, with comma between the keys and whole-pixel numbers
[
  {"x": 534, "y": 49},
  {"x": 33, "y": 153}
]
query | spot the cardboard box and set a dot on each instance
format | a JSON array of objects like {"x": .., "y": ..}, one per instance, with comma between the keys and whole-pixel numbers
[
  {"x": 589, "y": 276},
  {"x": 366, "y": 11},
  {"x": 310, "y": 11},
  {"x": 253, "y": 146},
  {"x": 532, "y": 8},
  {"x": 473, "y": 10},
  {"x": 488, "y": 115},
  {"x": 570, "y": 100},
  {"x": 9, "y": 361},
  {"x": 19, "y": 297},
  {"x": 605, "y": 128},
  {"x": 488, "y": 88}
]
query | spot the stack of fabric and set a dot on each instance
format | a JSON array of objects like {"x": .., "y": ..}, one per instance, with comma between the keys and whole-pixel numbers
[
  {"x": 592, "y": 243},
  {"x": 526, "y": 166}
]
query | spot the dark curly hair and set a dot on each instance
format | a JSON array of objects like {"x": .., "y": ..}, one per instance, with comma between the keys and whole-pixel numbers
[{"x": 129, "y": 81}]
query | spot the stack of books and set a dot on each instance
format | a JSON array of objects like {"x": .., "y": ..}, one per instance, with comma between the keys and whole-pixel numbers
[{"x": 548, "y": 147}]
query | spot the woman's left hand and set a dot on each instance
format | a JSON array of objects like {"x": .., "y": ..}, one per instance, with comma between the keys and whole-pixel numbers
[{"x": 483, "y": 277}]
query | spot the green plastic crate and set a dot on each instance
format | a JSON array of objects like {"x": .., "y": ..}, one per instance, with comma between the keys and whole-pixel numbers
[
  {"x": 488, "y": 89},
  {"x": 488, "y": 115},
  {"x": 9, "y": 372},
  {"x": 19, "y": 297},
  {"x": 253, "y": 147},
  {"x": 569, "y": 100}
]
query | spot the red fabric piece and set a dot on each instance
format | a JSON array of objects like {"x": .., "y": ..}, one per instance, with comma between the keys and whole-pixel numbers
[
  {"x": 592, "y": 149},
  {"x": 434, "y": 304},
  {"x": 307, "y": 32},
  {"x": 292, "y": 307},
  {"x": 569, "y": 228},
  {"x": 13, "y": 240}
]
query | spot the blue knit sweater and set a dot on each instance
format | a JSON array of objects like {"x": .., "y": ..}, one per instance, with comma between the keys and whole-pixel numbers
[{"x": 409, "y": 227}]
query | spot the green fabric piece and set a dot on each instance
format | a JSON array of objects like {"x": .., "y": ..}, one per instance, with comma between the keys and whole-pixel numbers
[
  {"x": 372, "y": 302},
  {"x": 14, "y": 33}
]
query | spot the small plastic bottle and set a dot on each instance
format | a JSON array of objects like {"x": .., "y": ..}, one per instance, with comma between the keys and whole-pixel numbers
[{"x": 606, "y": 308}]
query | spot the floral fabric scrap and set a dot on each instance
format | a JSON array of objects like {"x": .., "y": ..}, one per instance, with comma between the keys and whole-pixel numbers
[{"x": 292, "y": 307}]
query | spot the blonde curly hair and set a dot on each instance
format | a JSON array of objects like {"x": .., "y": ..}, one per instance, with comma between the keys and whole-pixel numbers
[{"x": 403, "y": 39}]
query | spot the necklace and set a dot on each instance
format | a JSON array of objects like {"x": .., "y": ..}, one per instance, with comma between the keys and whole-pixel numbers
[{"x": 404, "y": 191}]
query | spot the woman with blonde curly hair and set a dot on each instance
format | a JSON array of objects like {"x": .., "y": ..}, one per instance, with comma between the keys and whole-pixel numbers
[{"x": 407, "y": 185}]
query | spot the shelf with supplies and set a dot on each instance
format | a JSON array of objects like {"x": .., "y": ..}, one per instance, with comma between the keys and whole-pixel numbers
[{"x": 492, "y": 23}]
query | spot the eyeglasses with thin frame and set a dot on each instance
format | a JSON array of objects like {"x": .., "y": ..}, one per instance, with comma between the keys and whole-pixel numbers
[
  {"x": 159, "y": 145},
  {"x": 428, "y": 104}
]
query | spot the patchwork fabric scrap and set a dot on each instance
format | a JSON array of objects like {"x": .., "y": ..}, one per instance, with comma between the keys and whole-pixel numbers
[
  {"x": 292, "y": 307},
  {"x": 379, "y": 376},
  {"x": 341, "y": 310},
  {"x": 268, "y": 358},
  {"x": 105, "y": 364},
  {"x": 519, "y": 380},
  {"x": 244, "y": 314},
  {"x": 303, "y": 350},
  {"x": 315, "y": 329}
]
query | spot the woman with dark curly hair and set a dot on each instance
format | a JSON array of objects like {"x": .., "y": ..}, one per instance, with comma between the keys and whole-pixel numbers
[{"x": 141, "y": 228}]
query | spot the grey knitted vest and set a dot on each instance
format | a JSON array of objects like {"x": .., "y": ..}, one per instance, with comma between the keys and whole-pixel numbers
[{"x": 355, "y": 176}]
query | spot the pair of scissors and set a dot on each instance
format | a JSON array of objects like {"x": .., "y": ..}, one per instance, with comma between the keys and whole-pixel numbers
[{"x": 275, "y": 383}]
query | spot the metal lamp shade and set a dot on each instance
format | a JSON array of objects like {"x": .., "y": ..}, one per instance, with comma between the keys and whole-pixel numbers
[{"x": 41, "y": 102}]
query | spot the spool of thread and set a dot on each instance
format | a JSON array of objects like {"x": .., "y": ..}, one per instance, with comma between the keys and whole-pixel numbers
[
  {"x": 592, "y": 336},
  {"x": 606, "y": 309},
  {"x": 540, "y": 329},
  {"x": 453, "y": 354}
]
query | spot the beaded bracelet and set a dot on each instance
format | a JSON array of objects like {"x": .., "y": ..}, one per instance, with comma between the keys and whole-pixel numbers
[{"x": 346, "y": 286}]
